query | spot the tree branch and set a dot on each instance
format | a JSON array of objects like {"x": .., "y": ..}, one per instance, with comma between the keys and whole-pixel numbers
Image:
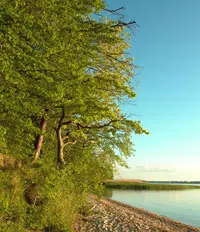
[
  {"x": 60, "y": 122},
  {"x": 72, "y": 143},
  {"x": 124, "y": 24},
  {"x": 115, "y": 12},
  {"x": 97, "y": 125},
  {"x": 67, "y": 122}
]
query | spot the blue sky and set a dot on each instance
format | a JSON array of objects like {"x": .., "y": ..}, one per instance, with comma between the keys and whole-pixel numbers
[{"x": 166, "y": 47}]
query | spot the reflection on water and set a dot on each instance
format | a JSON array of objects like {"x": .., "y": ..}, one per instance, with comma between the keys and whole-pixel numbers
[
  {"x": 108, "y": 192},
  {"x": 181, "y": 205}
]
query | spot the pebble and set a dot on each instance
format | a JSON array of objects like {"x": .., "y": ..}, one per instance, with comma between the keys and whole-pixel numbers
[{"x": 108, "y": 215}]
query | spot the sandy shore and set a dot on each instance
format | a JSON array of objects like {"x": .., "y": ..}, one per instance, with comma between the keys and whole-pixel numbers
[{"x": 109, "y": 215}]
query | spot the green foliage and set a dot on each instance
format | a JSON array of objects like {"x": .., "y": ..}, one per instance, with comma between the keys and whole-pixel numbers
[
  {"x": 12, "y": 204},
  {"x": 60, "y": 200},
  {"x": 55, "y": 55},
  {"x": 60, "y": 62}
]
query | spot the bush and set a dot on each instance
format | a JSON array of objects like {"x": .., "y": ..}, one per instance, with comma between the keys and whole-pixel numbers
[
  {"x": 45, "y": 197},
  {"x": 59, "y": 201},
  {"x": 12, "y": 203}
]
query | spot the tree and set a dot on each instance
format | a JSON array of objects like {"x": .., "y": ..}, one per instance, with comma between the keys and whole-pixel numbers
[{"x": 92, "y": 57}]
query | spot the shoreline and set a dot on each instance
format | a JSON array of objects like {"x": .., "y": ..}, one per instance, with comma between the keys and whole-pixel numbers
[
  {"x": 148, "y": 186},
  {"x": 110, "y": 215}
]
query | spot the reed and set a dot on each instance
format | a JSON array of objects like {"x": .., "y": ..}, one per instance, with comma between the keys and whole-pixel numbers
[{"x": 149, "y": 186}]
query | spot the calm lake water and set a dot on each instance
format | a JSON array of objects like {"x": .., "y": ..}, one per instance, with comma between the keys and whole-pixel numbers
[{"x": 183, "y": 206}]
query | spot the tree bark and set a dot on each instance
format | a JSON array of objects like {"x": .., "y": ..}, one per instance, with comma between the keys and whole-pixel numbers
[
  {"x": 60, "y": 146},
  {"x": 39, "y": 140}
]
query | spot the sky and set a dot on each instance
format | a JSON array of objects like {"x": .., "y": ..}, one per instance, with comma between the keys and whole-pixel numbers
[{"x": 166, "y": 47}]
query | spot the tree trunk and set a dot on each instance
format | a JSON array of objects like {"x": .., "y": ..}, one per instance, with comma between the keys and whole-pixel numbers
[
  {"x": 60, "y": 146},
  {"x": 39, "y": 140}
]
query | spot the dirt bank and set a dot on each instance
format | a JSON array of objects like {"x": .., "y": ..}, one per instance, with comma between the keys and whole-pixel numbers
[{"x": 109, "y": 215}]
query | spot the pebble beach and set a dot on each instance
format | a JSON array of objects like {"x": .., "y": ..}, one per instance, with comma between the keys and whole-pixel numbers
[{"x": 109, "y": 215}]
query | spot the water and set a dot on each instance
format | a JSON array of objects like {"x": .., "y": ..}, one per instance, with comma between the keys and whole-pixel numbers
[{"x": 182, "y": 205}]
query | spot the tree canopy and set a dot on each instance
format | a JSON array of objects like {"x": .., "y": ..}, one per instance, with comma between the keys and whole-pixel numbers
[{"x": 62, "y": 63}]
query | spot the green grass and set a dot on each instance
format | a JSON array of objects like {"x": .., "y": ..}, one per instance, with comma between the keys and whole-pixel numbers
[{"x": 148, "y": 186}]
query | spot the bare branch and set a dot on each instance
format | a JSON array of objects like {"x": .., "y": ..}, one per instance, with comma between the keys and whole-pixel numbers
[
  {"x": 65, "y": 137},
  {"x": 72, "y": 143},
  {"x": 116, "y": 11},
  {"x": 124, "y": 24}
]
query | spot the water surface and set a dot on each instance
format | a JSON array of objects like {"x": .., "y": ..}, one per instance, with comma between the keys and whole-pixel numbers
[{"x": 180, "y": 205}]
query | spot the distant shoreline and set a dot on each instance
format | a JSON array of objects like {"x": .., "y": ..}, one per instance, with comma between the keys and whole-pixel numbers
[
  {"x": 143, "y": 185},
  {"x": 154, "y": 181},
  {"x": 175, "y": 182}
]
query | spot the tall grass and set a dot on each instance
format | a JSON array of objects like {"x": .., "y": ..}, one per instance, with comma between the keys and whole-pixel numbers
[
  {"x": 148, "y": 186},
  {"x": 59, "y": 206}
]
